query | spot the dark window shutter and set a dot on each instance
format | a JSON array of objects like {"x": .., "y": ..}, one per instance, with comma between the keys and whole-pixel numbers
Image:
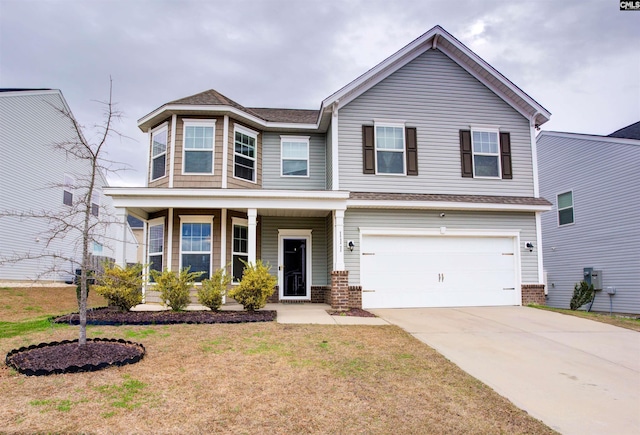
[
  {"x": 368, "y": 150},
  {"x": 505, "y": 156},
  {"x": 466, "y": 157},
  {"x": 412, "y": 150}
]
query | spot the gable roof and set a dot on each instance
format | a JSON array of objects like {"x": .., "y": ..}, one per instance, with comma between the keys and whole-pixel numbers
[
  {"x": 586, "y": 137},
  {"x": 629, "y": 132},
  {"x": 212, "y": 101}
]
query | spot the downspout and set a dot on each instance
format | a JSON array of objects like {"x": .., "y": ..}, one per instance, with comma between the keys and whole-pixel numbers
[{"x": 536, "y": 194}]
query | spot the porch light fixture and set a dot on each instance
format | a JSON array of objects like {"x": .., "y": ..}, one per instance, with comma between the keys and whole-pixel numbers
[
  {"x": 351, "y": 245},
  {"x": 529, "y": 246}
]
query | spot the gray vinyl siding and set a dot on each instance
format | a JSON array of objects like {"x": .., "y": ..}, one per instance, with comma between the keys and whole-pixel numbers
[
  {"x": 31, "y": 178},
  {"x": 439, "y": 98},
  {"x": 329, "y": 160},
  {"x": 317, "y": 225},
  {"x": 430, "y": 219},
  {"x": 605, "y": 180},
  {"x": 271, "y": 165}
]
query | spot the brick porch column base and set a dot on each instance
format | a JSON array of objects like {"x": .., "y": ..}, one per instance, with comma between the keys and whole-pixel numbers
[
  {"x": 533, "y": 294},
  {"x": 339, "y": 298},
  {"x": 355, "y": 296}
]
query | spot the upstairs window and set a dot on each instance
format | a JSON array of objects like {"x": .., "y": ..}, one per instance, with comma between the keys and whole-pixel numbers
[
  {"x": 390, "y": 150},
  {"x": 565, "y": 208},
  {"x": 67, "y": 194},
  {"x": 240, "y": 248},
  {"x": 295, "y": 156},
  {"x": 156, "y": 246},
  {"x": 95, "y": 203},
  {"x": 198, "y": 147},
  {"x": 98, "y": 249},
  {"x": 244, "y": 154},
  {"x": 159, "y": 153},
  {"x": 486, "y": 158}
]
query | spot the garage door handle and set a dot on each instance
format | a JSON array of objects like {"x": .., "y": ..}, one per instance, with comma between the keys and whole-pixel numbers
[
  {"x": 368, "y": 291},
  {"x": 368, "y": 253}
]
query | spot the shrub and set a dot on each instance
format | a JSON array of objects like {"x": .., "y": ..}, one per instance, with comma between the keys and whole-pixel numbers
[
  {"x": 174, "y": 287},
  {"x": 582, "y": 293},
  {"x": 256, "y": 286},
  {"x": 122, "y": 287},
  {"x": 212, "y": 290}
]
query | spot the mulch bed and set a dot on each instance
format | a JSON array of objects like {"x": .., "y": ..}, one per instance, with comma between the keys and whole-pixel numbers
[
  {"x": 353, "y": 312},
  {"x": 67, "y": 357},
  {"x": 107, "y": 316}
]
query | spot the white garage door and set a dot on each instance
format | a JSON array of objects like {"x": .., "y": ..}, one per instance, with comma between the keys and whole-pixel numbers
[{"x": 436, "y": 271}]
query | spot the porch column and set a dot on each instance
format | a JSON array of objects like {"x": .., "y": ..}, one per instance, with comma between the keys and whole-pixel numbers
[
  {"x": 338, "y": 240},
  {"x": 145, "y": 258},
  {"x": 223, "y": 238},
  {"x": 252, "y": 215},
  {"x": 120, "y": 250}
]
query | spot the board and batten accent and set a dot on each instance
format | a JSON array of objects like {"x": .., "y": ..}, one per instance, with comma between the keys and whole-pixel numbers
[
  {"x": 523, "y": 223},
  {"x": 603, "y": 174},
  {"x": 271, "y": 164},
  {"x": 439, "y": 98}
]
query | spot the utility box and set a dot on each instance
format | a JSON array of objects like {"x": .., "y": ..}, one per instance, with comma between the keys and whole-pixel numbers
[
  {"x": 596, "y": 279},
  {"x": 587, "y": 274}
]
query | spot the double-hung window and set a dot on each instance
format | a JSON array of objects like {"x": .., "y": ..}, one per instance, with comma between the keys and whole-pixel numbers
[
  {"x": 244, "y": 154},
  {"x": 565, "y": 208},
  {"x": 240, "y": 247},
  {"x": 486, "y": 153},
  {"x": 198, "y": 146},
  {"x": 67, "y": 194},
  {"x": 156, "y": 245},
  {"x": 390, "y": 149},
  {"x": 98, "y": 249},
  {"x": 195, "y": 244},
  {"x": 95, "y": 203},
  {"x": 294, "y": 152},
  {"x": 159, "y": 153}
]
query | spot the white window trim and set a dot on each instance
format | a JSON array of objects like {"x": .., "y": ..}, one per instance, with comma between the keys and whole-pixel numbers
[
  {"x": 305, "y": 139},
  {"x": 200, "y": 123},
  {"x": 68, "y": 186},
  {"x": 154, "y": 223},
  {"x": 495, "y": 130},
  {"x": 251, "y": 133},
  {"x": 240, "y": 222},
  {"x": 197, "y": 219},
  {"x": 382, "y": 123},
  {"x": 573, "y": 207},
  {"x": 159, "y": 129}
]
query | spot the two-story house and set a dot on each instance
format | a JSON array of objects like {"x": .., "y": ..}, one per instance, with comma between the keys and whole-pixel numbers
[
  {"x": 415, "y": 185},
  {"x": 38, "y": 177}
]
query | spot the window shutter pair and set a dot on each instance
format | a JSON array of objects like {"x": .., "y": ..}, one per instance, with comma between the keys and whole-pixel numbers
[
  {"x": 466, "y": 154},
  {"x": 369, "y": 150}
]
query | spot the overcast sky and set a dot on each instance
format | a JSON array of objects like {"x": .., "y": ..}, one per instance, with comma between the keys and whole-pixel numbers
[{"x": 579, "y": 59}]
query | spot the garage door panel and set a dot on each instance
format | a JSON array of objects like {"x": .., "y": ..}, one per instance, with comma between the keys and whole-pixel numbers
[{"x": 431, "y": 271}]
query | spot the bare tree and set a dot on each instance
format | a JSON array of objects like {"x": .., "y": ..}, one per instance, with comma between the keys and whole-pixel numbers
[{"x": 84, "y": 221}]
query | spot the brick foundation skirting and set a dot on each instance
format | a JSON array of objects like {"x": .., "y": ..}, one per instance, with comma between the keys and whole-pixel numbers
[
  {"x": 533, "y": 294},
  {"x": 319, "y": 295}
]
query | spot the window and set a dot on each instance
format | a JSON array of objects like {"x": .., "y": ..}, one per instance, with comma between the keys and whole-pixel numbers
[
  {"x": 67, "y": 195},
  {"x": 240, "y": 248},
  {"x": 156, "y": 246},
  {"x": 195, "y": 246},
  {"x": 565, "y": 208},
  {"x": 486, "y": 156},
  {"x": 95, "y": 203},
  {"x": 295, "y": 156},
  {"x": 158, "y": 153},
  {"x": 245, "y": 154},
  {"x": 97, "y": 248},
  {"x": 198, "y": 147},
  {"x": 390, "y": 156}
]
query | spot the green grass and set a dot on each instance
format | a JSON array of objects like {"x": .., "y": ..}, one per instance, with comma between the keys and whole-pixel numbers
[
  {"x": 12, "y": 329},
  {"x": 626, "y": 322},
  {"x": 128, "y": 395}
]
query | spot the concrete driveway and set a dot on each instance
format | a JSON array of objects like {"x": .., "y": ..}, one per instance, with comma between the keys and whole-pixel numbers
[{"x": 576, "y": 375}]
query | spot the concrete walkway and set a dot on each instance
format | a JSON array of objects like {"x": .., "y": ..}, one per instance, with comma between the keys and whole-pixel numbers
[
  {"x": 577, "y": 376},
  {"x": 288, "y": 313}
]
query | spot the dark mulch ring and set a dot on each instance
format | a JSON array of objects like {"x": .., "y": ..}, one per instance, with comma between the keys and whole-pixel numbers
[
  {"x": 67, "y": 357},
  {"x": 353, "y": 312},
  {"x": 108, "y": 316}
]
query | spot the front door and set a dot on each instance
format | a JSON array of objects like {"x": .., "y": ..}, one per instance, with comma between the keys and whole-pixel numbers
[{"x": 294, "y": 267}]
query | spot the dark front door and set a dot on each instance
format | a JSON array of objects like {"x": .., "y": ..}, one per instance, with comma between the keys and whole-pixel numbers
[{"x": 295, "y": 267}]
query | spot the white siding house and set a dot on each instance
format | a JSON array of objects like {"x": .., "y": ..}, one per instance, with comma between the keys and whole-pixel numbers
[
  {"x": 593, "y": 183},
  {"x": 36, "y": 178}
]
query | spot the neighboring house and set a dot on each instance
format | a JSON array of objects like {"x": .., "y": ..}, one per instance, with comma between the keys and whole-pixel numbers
[
  {"x": 35, "y": 178},
  {"x": 593, "y": 182},
  {"x": 415, "y": 185}
]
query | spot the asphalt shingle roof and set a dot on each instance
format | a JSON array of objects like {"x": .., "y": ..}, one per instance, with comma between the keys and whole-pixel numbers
[
  {"x": 629, "y": 132},
  {"x": 476, "y": 199}
]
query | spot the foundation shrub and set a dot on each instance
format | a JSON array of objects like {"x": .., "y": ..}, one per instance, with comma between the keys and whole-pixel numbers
[
  {"x": 122, "y": 287},
  {"x": 211, "y": 292},
  {"x": 174, "y": 287},
  {"x": 583, "y": 293},
  {"x": 256, "y": 286}
]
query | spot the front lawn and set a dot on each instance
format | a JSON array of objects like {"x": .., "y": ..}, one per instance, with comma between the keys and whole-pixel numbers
[
  {"x": 627, "y": 322},
  {"x": 258, "y": 378}
]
